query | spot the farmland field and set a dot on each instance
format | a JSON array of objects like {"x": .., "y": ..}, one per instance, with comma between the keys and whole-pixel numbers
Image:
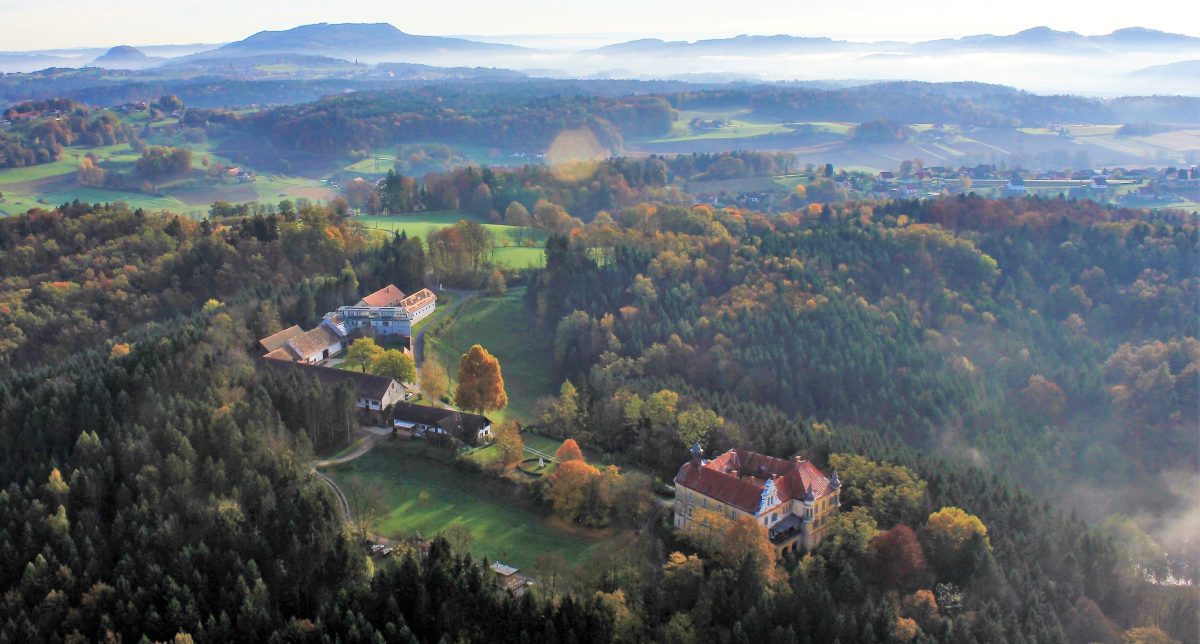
[
  {"x": 52, "y": 184},
  {"x": 422, "y": 495}
]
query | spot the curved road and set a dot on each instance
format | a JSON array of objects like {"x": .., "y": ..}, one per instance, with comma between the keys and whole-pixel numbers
[
  {"x": 337, "y": 492},
  {"x": 418, "y": 347},
  {"x": 369, "y": 441}
]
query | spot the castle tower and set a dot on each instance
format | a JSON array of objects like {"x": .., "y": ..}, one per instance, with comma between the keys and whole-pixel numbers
[{"x": 806, "y": 528}]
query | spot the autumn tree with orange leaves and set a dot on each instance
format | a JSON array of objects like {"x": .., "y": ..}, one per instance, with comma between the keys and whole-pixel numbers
[
  {"x": 731, "y": 541},
  {"x": 746, "y": 537},
  {"x": 568, "y": 451},
  {"x": 568, "y": 487},
  {"x": 480, "y": 382}
]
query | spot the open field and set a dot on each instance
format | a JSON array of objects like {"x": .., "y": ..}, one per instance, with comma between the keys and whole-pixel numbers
[
  {"x": 745, "y": 184},
  {"x": 509, "y": 250},
  {"x": 506, "y": 526},
  {"x": 740, "y": 124},
  {"x": 509, "y": 331},
  {"x": 380, "y": 160},
  {"x": 520, "y": 257}
]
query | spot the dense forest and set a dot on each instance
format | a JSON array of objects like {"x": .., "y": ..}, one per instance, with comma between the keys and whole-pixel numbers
[
  {"x": 968, "y": 365},
  {"x": 1050, "y": 338},
  {"x": 511, "y": 118},
  {"x": 1047, "y": 342}
]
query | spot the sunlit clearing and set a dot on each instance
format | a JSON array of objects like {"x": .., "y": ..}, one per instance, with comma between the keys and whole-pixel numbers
[{"x": 574, "y": 154}]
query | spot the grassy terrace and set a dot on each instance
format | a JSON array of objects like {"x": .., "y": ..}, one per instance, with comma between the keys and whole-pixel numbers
[
  {"x": 423, "y": 495},
  {"x": 507, "y": 329}
]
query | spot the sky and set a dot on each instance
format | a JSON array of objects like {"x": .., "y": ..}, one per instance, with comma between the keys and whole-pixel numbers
[{"x": 49, "y": 24}]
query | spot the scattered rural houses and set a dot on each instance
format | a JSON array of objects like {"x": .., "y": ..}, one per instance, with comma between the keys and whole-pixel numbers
[
  {"x": 469, "y": 428},
  {"x": 793, "y": 499},
  {"x": 311, "y": 347},
  {"x": 387, "y": 311}
]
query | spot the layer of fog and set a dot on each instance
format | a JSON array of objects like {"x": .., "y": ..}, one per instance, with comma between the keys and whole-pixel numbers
[{"x": 1097, "y": 75}]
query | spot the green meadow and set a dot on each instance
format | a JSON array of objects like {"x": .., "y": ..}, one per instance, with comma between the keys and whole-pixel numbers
[
  {"x": 510, "y": 332},
  {"x": 427, "y": 496}
]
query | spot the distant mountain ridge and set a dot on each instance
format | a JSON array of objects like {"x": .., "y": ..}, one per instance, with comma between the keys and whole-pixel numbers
[
  {"x": 1182, "y": 70},
  {"x": 1036, "y": 39},
  {"x": 738, "y": 44},
  {"x": 350, "y": 41}
]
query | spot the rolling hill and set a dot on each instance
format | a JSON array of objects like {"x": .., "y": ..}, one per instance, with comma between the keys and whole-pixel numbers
[
  {"x": 126, "y": 57},
  {"x": 351, "y": 41}
]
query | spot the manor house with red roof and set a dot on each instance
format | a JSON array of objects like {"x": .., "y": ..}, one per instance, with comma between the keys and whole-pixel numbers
[{"x": 792, "y": 499}]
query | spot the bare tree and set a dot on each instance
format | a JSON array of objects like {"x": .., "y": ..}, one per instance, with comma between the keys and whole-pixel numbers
[
  {"x": 366, "y": 504},
  {"x": 459, "y": 537}
]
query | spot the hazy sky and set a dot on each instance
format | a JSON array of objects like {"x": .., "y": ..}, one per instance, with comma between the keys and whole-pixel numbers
[{"x": 45, "y": 24}]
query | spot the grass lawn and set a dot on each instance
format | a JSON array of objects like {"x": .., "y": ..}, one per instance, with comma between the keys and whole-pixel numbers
[
  {"x": 488, "y": 454},
  {"x": 506, "y": 526},
  {"x": 509, "y": 331},
  {"x": 520, "y": 257}
]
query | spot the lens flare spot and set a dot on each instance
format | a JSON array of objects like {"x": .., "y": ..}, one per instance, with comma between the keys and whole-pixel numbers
[{"x": 575, "y": 154}]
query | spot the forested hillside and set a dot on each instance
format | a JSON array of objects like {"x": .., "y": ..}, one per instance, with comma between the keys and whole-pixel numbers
[
  {"x": 1019, "y": 332},
  {"x": 968, "y": 366},
  {"x": 514, "y": 117}
]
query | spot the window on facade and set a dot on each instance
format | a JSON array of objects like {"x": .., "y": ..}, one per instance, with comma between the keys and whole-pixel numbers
[{"x": 689, "y": 512}]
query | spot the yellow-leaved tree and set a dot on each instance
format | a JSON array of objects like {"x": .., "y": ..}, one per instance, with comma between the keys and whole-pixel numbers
[
  {"x": 509, "y": 442},
  {"x": 396, "y": 364},
  {"x": 956, "y": 543},
  {"x": 362, "y": 354}
]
